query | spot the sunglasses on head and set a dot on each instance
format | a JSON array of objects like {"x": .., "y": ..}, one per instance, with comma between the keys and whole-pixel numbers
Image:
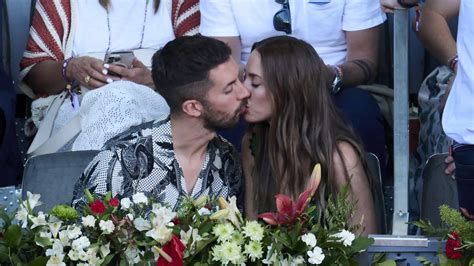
[{"x": 282, "y": 18}]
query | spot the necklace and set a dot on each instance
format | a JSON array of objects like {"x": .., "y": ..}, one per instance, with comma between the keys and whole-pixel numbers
[{"x": 143, "y": 27}]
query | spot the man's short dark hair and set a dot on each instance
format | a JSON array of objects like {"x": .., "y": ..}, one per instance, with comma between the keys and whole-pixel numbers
[{"x": 180, "y": 69}]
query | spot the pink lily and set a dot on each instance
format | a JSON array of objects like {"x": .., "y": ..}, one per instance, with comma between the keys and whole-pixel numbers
[{"x": 287, "y": 210}]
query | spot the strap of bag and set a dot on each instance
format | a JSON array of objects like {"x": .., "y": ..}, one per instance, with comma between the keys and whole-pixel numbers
[
  {"x": 44, "y": 131},
  {"x": 60, "y": 138}
]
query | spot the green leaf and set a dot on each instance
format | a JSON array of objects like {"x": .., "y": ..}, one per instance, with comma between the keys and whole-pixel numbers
[
  {"x": 4, "y": 257},
  {"x": 39, "y": 261},
  {"x": 423, "y": 260},
  {"x": 42, "y": 241},
  {"x": 362, "y": 243},
  {"x": 443, "y": 260},
  {"x": 378, "y": 257},
  {"x": 13, "y": 236},
  {"x": 6, "y": 219},
  {"x": 107, "y": 259}
]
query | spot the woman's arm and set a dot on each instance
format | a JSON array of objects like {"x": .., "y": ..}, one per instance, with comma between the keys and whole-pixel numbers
[
  {"x": 247, "y": 164},
  {"x": 360, "y": 191}
]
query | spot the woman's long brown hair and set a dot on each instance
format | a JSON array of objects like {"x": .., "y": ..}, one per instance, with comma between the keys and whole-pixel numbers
[
  {"x": 305, "y": 127},
  {"x": 105, "y": 4}
]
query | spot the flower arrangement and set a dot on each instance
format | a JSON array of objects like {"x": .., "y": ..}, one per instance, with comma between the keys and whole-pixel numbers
[
  {"x": 458, "y": 230},
  {"x": 205, "y": 231}
]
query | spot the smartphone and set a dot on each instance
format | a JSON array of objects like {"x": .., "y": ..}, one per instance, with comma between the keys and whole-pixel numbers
[{"x": 121, "y": 58}]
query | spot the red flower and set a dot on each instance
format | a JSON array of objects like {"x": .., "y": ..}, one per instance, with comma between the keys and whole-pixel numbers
[
  {"x": 452, "y": 246},
  {"x": 176, "y": 221},
  {"x": 287, "y": 210},
  {"x": 175, "y": 249},
  {"x": 114, "y": 202},
  {"x": 97, "y": 207}
]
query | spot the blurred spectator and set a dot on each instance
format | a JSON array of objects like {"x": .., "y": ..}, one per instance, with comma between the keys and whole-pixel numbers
[
  {"x": 10, "y": 161},
  {"x": 457, "y": 107},
  {"x": 68, "y": 41}
]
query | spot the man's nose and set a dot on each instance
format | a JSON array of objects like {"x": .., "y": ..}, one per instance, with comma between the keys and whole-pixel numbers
[{"x": 244, "y": 93}]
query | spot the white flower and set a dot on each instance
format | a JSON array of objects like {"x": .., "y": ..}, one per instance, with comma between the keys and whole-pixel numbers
[
  {"x": 64, "y": 238},
  {"x": 54, "y": 228},
  {"x": 131, "y": 253},
  {"x": 73, "y": 232},
  {"x": 309, "y": 239},
  {"x": 227, "y": 252},
  {"x": 139, "y": 198},
  {"x": 253, "y": 230},
  {"x": 73, "y": 255},
  {"x": 130, "y": 216},
  {"x": 316, "y": 256},
  {"x": 191, "y": 233},
  {"x": 105, "y": 250},
  {"x": 83, "y": 255},
  {"x": 253, "y": 250},
  {"x": 141, "y": 224},
  {"x": 56, "y": 260},
  {"x": 81, "y": 243},
  {"x": 32, "y": 200},
  {"x": 92, "y": 258},
  {"x": 345, "y": 237},
  {"x": 162, "y": 234},
  {"x": 107, "y": 227},
  {"x": 22, "y": 216},
  {"x": 88, "y": 221},
  {"x": 56, "y": 250},
  {"x": 204, "y": 211},
  {"x": 125, "y": 203},
  {"x": 162, "y": 215},
  {"x": 270, "y": 260},
  {"x": 38, "y": 221},
  {"x": 234, "y": 212},
  {"x": 223, "y": 231}
]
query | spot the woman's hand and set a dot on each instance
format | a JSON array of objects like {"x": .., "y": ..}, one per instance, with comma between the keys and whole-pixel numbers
[
  {"x": 388, "y": 6},
  {"x": 88, "y": 71},
  {"x": 139, "y": 73}
]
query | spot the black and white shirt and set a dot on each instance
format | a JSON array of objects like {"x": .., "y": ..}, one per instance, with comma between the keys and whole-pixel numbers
[{"x": 142, "y": 159}]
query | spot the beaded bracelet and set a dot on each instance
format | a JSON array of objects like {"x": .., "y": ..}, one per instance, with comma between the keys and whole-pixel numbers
[
  {"x": 64, "y": 68},
  {"x": 405, "y": 5}
]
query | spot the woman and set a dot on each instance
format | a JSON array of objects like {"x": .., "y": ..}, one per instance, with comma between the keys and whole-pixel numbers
[
  {"x": 69, "y": 38},
  {"x": 294, "y": 125}
]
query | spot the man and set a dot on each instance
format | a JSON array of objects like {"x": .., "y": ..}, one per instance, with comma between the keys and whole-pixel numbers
[
  {"x": 345, "y": 33},
  {"x": 10, "y": 160},
  {"x": 180, "y": 154},
  {"x": 458, "y": 110}
]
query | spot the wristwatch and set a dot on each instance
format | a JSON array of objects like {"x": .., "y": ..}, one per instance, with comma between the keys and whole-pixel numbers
[{"x": 337, "y": 82}]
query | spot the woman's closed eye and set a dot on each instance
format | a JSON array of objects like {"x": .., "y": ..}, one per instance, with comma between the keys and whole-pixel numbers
[{"x": 255, "y": 85}]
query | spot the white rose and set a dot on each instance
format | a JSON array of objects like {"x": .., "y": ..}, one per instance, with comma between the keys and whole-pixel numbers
[
  {"x": 73, "y": 232},
  {"x": 125, "y": 203},
  {"x": 139, "y": 198},
  {"x": 141, "y": 224},
  {"x": 309, "y": 239},
  {"x": 107, "y": 227},
  {"x": 81, "y": 243},
  {"x": 88, "y": 221},
  {"x": 316, "y": 256},
  {"x": 345, "y": 237}
]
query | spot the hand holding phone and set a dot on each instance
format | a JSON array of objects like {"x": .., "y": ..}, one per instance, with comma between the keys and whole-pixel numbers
[{"x": 122, "y": 58}]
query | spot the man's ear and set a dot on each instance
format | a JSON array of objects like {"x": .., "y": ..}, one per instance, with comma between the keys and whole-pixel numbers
[{"x": 192, "y": 108}]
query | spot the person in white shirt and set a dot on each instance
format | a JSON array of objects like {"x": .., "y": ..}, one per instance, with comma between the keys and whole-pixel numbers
[
  {"x": 344, "y": 33},
  {"x": 458, "y": 109}
]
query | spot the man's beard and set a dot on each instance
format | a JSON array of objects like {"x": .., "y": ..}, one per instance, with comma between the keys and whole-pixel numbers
[{"x": 217, "y": 120}]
